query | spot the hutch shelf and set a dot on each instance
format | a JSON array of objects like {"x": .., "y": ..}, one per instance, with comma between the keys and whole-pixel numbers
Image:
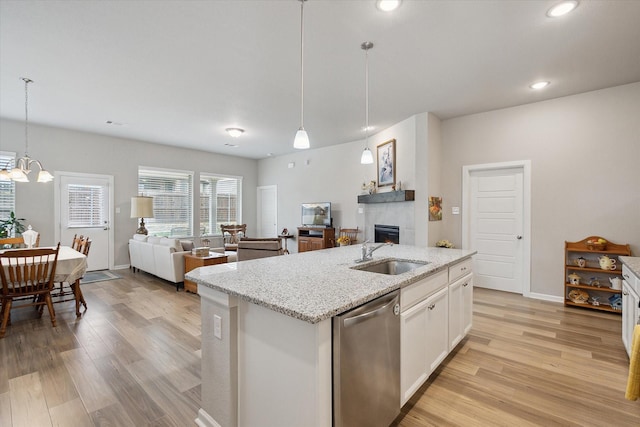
[{"x": 586, "y": 283}]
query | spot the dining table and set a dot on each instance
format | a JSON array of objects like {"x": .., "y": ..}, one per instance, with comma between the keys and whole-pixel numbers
[{"x": 70, "y": 268}]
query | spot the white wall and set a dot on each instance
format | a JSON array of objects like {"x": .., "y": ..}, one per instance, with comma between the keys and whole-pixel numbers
[
  {"x": 73, "y": 151},
  {"x": 334, "y": 174},
  {"x": 585, "y": 163}
]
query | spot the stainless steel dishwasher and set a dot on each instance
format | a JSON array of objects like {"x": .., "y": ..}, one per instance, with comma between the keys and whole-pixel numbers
[{"x": 366, "y": 364}]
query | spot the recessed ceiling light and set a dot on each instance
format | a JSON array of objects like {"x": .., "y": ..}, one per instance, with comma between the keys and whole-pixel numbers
[
  {"x": 235, "y": 132},
  {"x": 562, "y": 8},
  {"x": 388, "y": 5},
  {"x": 539, "y": 85}
]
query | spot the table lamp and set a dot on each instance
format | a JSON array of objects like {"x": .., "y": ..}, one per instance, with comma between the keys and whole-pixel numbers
[{"x": 142, "y": 207}]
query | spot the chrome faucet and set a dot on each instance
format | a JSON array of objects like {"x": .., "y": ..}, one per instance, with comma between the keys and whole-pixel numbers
[{"x": 367, "y": 252}]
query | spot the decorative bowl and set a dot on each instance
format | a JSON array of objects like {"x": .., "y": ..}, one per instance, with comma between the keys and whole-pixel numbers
[{"x": 596, "y": 246}]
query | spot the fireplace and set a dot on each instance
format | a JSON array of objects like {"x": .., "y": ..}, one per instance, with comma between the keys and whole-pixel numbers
[{"x": 387, "y": 233}]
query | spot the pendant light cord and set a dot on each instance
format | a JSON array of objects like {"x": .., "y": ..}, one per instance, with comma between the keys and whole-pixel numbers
[
  {"x": 302, "y": 63},
  {"x": 26, "y": 116},
  {"x": 366, "y": 86}
]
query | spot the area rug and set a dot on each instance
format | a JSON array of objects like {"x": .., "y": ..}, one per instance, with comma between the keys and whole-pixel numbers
[{"x": 99, "y": 276}]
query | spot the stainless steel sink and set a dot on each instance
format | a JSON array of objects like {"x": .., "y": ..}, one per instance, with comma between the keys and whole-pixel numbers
[{"x": 392, "y": 267}]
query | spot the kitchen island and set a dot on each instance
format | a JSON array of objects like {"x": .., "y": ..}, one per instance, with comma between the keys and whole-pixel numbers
[{"x": 266, "y": 329}]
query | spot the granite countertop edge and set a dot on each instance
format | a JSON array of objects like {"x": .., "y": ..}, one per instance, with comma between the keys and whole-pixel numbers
[
  {"x": 314, "y": 286},
  {"x": 632, "y": 262}
]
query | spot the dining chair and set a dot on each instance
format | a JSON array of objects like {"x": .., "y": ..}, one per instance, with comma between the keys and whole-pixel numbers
[
  {"x": 350, "y": 233},
  {"x": 232, "y": 233},
  {"x": 81, "y": 244},
  {"x": 27, "y": 273}
]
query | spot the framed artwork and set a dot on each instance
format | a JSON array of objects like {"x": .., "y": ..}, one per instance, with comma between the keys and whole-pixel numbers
[
  {"x": 435, "y": 208},
  {"x": 387, "y": 163}
]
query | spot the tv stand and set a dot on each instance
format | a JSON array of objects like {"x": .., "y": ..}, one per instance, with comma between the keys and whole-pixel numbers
[{"x": 315, "y": 238}]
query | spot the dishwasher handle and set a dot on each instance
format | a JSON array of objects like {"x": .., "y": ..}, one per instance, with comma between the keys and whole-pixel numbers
[{"x": 374, "y": 310}]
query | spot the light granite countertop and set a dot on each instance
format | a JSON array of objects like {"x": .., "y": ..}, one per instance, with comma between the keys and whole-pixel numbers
[
  {"x": 317, "y": 285},
  {"x": 632, "y": 262}
]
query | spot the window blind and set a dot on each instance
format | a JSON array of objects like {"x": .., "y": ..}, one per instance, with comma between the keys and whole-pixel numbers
[
  {"x": 220, "y": 202},
  {"x": 172, "y": 193},
  {"x": 7, "y": 188},
  {"x": 86, "y": 206}
]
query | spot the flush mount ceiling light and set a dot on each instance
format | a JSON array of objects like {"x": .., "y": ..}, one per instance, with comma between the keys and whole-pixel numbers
[
  {"x": 539, "y": 85},
  {"x": 235, "y": 132},
  {"x": 388, "y": 5},
  {"x": 23, "y": 164},
  {"x": 367, "y": 156},
  {"x": 562, "y": 8},
  {"x": 301, "y": 140}
]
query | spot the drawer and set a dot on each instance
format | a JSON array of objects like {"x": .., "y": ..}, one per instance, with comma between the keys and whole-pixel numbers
[
  {"x": 631, "y": 279},
  {"x": 416, "y": 292},
  {"x": 460, "y": 269}
]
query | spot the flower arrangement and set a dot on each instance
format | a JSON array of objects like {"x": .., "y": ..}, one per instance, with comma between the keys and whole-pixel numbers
[
  {"x": 343, "y": 240},
  {"x": 370, "y": 187},
  {"x": 444, "y": 244}
]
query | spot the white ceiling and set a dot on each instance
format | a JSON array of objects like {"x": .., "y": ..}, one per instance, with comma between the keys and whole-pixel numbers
[{"x": 180, "y": 72}]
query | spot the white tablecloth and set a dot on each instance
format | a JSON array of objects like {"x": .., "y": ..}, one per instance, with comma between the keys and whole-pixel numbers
[{"x": 71, "y": 265}]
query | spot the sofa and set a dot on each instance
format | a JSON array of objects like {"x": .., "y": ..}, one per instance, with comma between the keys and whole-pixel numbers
[
  {"x": 164, "y": 257},
  {"x": 259, "y": 248},
  {"x": 160, "y": 256}
]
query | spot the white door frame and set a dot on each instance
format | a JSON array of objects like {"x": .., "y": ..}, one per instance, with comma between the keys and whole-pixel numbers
[
  {"x": 525, "y": 165},
  {"x": 56, "y": 207}
]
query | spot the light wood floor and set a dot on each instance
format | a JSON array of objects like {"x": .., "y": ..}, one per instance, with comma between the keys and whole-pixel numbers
[{"x": 134, "y": 360}]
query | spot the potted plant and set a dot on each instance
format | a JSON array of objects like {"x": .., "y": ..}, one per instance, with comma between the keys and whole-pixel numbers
[
  {"x": 11, "y": 226},
  {"x": 343, "y": 240}
]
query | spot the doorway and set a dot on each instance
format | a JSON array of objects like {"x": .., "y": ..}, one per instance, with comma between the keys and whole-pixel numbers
[
  {"x": 83, "y": 207},
  {"x": 496, "y": 223},
  {"x": 267, "y": 211}
]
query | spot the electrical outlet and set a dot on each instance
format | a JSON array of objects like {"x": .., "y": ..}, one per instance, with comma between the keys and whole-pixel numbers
[{"x": 217, "y": 326}]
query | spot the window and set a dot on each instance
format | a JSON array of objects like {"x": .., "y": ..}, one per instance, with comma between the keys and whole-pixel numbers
[
  {"x": 172, "y": 193},
  {"x": 220, "y": 202},
  {"x": 7, "y": 188},
  {"x": 85, "y": 206}
]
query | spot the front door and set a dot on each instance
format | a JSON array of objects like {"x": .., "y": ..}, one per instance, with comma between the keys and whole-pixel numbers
[
  {"x": 496, "y": 227},
  {"x": 83, "y": 208}
]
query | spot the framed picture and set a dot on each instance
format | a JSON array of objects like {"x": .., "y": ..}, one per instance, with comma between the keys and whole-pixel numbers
[
  {"x": 387, "y": 163},
  {"x": 435, "y": 208}
]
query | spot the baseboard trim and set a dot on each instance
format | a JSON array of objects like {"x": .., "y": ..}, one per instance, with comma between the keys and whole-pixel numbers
[
  {"x": 545, "y": 297},
  {"x": 121, "y": 267},
  {"x": 205, "y": 420}
]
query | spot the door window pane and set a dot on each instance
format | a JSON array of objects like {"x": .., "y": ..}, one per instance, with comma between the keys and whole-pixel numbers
[{"x": 220, "y": 202}]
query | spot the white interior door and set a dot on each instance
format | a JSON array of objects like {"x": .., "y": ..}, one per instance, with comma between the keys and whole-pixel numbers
[
  {"x": 84, "y": 208},
  {"x": 267, "y": 211},
  {"x": 496, "y": 228}
]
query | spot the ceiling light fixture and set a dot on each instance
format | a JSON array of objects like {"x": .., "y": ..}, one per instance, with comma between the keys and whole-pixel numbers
[
  {"x": 235, "y": 132},
  {"x": 388, "y": 5},
  {"x": 367, "y": 156},
  {"x": 301, "y": 140},
  {"x": 23, "y": 164},
  {"x": 539, "y": 85},
  {"x": 562, "y": 8}
]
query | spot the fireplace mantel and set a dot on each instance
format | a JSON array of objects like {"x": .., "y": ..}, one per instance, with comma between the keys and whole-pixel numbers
[{"x": 388, "y": 197}]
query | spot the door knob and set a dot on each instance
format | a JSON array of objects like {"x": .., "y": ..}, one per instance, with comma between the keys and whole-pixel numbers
[{"x": 519, "y": 237}]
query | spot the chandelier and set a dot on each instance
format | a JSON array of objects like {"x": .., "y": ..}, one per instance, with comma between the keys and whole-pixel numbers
[{"x": 23, "y": 165}]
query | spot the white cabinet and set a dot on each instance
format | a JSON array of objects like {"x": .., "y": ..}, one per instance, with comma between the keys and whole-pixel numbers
[
  {"x": 460, "y": 309},
  {"x": 423, "y": 342},
  {"x": 630, "y": 306}
]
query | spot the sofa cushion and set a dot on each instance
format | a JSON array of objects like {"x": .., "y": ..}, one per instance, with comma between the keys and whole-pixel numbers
[
  {"x": 154, "y": 240},
  {"x": 174, "y": 244},
  {"x": 187, "y": 245},
  {"x": 140, "y": 237}
]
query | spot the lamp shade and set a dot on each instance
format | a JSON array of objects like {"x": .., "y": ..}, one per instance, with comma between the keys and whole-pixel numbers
[{"x": 142, "y": 207}]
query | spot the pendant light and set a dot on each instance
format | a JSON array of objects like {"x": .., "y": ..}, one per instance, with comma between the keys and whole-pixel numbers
[
  {"x": 23, "y": 164},
  {"x": 367, "y": 156},
  {"x": 301, "y": 140}
]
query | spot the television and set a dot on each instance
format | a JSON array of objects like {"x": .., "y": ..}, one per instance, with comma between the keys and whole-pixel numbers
[{"x": 316, "y": 214}]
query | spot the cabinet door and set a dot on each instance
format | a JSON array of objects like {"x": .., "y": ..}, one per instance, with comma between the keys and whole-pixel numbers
[
  {"x": 630, "y": 312},
  {"x": 317, "y": 244},
  {"x": 304, "y": 244},
  {"x": 437, "y": 331},
  {"x": 413, "y": 350},
  {"x": 456, "y": 301},
  {"x": 467, "y": 305}
]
